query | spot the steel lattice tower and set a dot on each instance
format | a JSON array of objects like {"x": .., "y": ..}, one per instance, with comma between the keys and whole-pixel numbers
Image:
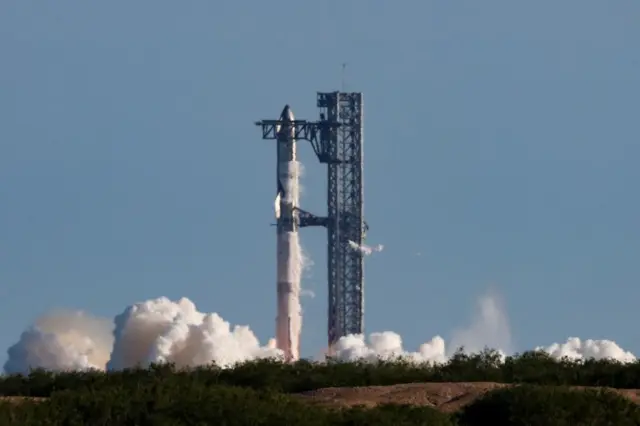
[
  {"x": 345, "y": 220},
  {"x": 337, "y": 140}
]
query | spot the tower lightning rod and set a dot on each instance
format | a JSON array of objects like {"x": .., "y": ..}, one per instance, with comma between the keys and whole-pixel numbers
[{"x": 344, "y": 71}]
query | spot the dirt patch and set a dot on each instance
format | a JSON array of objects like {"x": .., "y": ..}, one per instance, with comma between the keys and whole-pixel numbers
[
  {"x": 447, "y": 397},
  {"x": 19, "y": 399}
]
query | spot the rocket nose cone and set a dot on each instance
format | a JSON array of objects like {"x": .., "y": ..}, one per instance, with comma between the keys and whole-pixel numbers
[{"x": 286, "y": 114}]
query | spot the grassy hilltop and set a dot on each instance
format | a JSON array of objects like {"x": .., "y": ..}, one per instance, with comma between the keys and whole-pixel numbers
[{"x": 468, "y": 390}]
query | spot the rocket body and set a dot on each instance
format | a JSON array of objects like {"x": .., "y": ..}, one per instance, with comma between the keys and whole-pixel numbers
[{"x": 289, "y": 256}]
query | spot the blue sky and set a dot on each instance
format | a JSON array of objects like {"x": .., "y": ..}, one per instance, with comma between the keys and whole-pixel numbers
[{"x": 501, "y": 142}]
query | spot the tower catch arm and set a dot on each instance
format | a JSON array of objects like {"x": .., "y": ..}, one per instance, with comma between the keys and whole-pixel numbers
[{"x": 316, "y": 133}]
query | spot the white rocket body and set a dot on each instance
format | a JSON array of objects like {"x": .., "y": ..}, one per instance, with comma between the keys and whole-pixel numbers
[{"x": 289, "y": 257}]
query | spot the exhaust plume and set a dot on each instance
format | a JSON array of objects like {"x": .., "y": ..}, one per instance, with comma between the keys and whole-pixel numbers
[
  {"x": 387, "y": 346},
  {"x": 489, "y": 328},
  {"x": 162, "y": 330},
  {"x": 62, "y": 341},
  {"x": 576, "y": 349},
  {"x": 158, "y": 330}
]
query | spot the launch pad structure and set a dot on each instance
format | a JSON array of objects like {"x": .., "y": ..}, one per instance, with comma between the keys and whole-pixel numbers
[{"x": 337, "y": 140}]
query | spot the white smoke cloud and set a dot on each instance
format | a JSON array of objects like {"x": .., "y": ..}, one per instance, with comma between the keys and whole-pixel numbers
[
  {"x": 576, "y": 349},
  {"x": 489, "y": 328},
  {"x": 62, "y": 341},
  {"x": 365, "y": 249},
  {"x": 387, "y": 346},
  {"x": 157, "y": 330},
  {"x": 162, "y": 330},
  {"x": 307, "y": 293},
  {"x": 297, "y": 172}
]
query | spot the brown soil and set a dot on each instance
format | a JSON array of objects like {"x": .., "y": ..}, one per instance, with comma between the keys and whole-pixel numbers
[
  {"x": 447, "y": 397},
  {"x": 18, "y": 399}
]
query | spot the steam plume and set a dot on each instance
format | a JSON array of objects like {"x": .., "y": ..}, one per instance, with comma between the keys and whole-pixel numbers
[
  {"x": 158, "y": 330},
  {"x": 576, "y": 349},
  {"x": 62, "y": 341},
  {"x": 162, "y": 330},
  {"x": 365, "y": 249},
  {"x": 488, "y": 328}
]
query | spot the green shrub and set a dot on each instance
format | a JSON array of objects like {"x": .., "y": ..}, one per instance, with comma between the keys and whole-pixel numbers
[
  {"x": 550, "y": 406},
  {"x": 530, "y": 367},
  {"x": 391, "y": 415},
  {"x": 194, "y": 404},
  {"x": 255, "y": 393}
]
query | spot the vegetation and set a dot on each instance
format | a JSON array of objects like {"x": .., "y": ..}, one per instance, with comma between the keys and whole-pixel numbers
[
  {"x": 553, "y": 406},
  {"x": 259, "y": 393},
  {"x": 194, "y": 404}
]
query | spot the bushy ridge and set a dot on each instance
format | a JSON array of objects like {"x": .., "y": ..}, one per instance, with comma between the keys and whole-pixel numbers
[
  {"x": 191, "y": 403},
  {"x": 258, "y": 393},
  {"x": 530, "y": 367},
  {"x": 550, "y": 406}
]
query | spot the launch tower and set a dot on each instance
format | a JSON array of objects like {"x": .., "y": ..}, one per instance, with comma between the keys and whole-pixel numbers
[{"x": 337, "y": 140}]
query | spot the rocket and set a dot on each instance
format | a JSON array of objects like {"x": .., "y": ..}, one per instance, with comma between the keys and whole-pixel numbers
[
  {"x": 288, "y": 319},
  {"x": 286, "y": 155}
]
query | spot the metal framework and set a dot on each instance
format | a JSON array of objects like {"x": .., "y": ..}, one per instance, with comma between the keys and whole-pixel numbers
[{"x": 337, "y": 140}]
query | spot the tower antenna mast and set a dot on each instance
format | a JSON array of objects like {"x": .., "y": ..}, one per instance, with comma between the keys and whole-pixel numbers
[{"x": 344, "y": 82}]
